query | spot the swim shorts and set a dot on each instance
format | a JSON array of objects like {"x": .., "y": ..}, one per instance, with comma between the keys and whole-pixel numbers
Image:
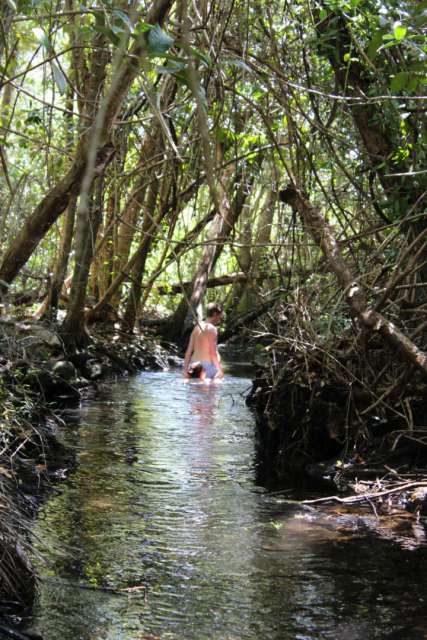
[{"x": 210, "y": 369}]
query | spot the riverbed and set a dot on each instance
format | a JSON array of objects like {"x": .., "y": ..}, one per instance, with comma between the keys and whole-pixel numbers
[{"x": 163, "y": 531}]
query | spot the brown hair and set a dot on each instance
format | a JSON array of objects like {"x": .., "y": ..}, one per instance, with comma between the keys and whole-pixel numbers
[{"x": 214, "y": 309}]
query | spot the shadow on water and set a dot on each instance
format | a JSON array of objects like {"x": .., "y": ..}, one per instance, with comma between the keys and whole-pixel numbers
[{"x": 163, "y": 532}]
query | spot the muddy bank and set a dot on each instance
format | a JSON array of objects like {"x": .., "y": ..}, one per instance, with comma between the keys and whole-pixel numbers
[
  {"x": 38, "y": 379},
  {"x": 336, "y": 433}
]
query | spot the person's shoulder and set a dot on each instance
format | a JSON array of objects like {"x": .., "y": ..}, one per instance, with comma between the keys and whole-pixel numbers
[{"x": 208, "y": 326}]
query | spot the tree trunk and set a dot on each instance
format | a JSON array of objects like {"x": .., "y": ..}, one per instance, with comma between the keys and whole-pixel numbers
[
  {"x": 134, "y": 297},
  {"x": 238, "y": 300},
  {"x": 177, "y": 252},
  {"x": 104, "y": 251},
  {"x": 379, "y": 141},
  {"x": 355, "y": 296},
  {"x": 6, "y": 17},
  {"x": 56, "y": 201},
  {"x": 73, "y": 329},
  {"x": 222, "y": 227},
  {"x": 260, "y": 254},
  {"x": 128, "y": 219},
  {"x": 190, "y": 308},
  {"x": 96, "y": 313},
  {"x": 60, "y": 270}
]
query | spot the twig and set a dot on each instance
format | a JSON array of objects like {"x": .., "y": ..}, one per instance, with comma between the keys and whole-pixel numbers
[{"x": 366, "y": 496}]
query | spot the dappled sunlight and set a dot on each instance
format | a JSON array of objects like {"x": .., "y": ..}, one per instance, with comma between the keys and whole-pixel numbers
[{"x": 162, "y": 531}]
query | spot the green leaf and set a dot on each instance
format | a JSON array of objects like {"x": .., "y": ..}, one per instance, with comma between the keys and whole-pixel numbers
[
  {"x": 413, "y": 83},
  {"x": 99, "y": 18},
  {"x": 258, "y": 93},
  {"x": 124, "y": 18},
  {"x": 158, "y": 41},
  {"x": 109, "y": 34},
  {"x": 399, "y": 32},
  {"x": 116, "y": 29},
  {"x": 59, "y": 78},
  {"x": 374, "y": 45},
  {"x": 393, "y": 43},
  {"x": 226, "y": 136},
  {"x": 399, "y": 81},
  {"x": 11, "y": 5},
  {"x": 34, "y": 117},
  {"x": 141, "y": 27},
  {"x": 203, "y": 57},
  {"x": 173, "y": 67},
  {"x": 182, "y": 77}
]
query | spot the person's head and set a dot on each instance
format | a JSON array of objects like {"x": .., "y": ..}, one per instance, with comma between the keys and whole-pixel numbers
[
  {"x": 196, "y": 370},
  {"x": 214, "y": 312}
]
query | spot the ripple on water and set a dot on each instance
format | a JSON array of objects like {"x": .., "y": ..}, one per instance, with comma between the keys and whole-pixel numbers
[{"x": 165, "y": 499}]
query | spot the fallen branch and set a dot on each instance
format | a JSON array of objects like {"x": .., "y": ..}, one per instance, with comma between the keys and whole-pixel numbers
[
  {"x": 219, "y": 281},
  {"x": 366, "y": 496},
  {"x": 323, "y": 235}
]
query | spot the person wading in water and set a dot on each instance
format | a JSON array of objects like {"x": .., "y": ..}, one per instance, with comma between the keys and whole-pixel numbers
[{"x": 202, "y": 347}]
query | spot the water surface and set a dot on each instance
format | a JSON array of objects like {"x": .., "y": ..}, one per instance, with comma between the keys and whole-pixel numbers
[{"x": 163, "y": 532}]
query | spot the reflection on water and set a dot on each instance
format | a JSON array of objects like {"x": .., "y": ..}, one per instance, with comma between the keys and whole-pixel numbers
[{"x": 163, "y": 533}]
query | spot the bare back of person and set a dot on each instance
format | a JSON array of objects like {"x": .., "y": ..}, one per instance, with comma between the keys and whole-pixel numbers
[
  {"x": 204, "y": 341},
  {"x": 203, "y": 347}
]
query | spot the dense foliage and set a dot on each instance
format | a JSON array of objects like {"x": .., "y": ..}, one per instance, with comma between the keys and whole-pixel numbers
[{"x": 275, "y": 151}]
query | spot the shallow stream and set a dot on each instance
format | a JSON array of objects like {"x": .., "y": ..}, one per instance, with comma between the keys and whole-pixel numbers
[{"x": 162, "y": 532}]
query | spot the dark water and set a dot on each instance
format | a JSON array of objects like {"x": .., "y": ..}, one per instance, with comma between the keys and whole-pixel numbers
[{"x": 165, "y": 503}]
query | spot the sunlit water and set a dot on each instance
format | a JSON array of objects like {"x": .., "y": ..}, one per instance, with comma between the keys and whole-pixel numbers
[{"x": 162, "y": 532}]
